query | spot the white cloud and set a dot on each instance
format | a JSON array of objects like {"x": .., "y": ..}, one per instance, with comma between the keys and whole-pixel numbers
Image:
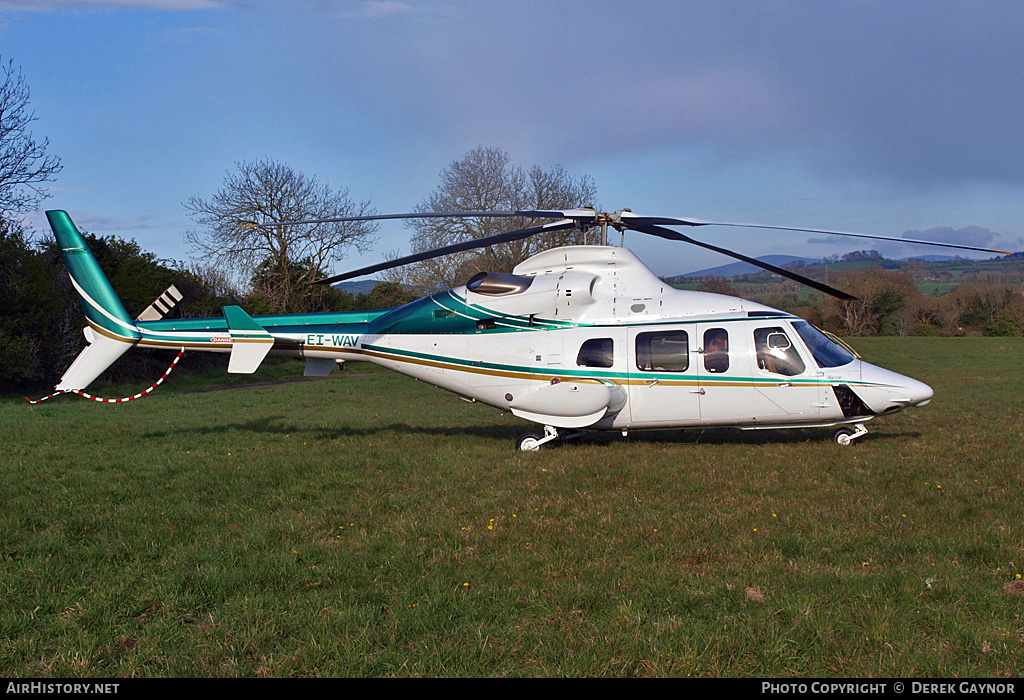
[
  {"x": 376, "y": 9},
  {"x": 971, "y": 235},
  {"x": 163, "y": 5},
  {"x": 102, "y": 223},
  {"x": 186, "y": 33}
]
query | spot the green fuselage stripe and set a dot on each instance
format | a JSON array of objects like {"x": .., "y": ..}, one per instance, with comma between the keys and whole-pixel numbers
[{"x": 616, "y": 377}]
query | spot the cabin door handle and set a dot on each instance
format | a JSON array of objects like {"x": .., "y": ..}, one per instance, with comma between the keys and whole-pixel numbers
[{"x": 698, "y": 391}]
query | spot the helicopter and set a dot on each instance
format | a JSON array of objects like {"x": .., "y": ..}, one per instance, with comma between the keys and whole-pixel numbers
[{"x": 575, "y": 339}]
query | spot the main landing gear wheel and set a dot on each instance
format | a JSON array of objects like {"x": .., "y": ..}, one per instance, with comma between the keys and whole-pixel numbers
[
  {"x": 531, "y": 441},
  {"x": 846, "y": 436}
]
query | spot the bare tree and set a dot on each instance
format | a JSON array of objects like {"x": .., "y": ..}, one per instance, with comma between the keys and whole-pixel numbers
[
  {"x": 486, "y": 180},
  {"x": 24, "y": 165},
  {"x": 278, "y": 261}
]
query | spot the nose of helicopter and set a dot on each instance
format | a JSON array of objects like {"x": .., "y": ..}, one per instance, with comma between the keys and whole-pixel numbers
[{"x": 885, "y": 391}]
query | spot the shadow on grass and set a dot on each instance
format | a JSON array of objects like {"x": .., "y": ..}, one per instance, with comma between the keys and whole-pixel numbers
[
  {"x": 281, "y": 425},
  {"x": 735, "y": 436},
  {"x": 694, "y": 436}
]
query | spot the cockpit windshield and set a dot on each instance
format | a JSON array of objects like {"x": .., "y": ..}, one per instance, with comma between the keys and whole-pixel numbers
[{"x": 826, "y": 352}]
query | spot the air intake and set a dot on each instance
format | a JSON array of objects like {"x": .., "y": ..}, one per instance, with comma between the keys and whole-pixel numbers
[{"x": 498, "y": 284}]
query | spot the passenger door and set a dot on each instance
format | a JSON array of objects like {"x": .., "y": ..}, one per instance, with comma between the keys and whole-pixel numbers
[
  {"x": 662, "y": 378},
  {"x": 723, "y": 370}
]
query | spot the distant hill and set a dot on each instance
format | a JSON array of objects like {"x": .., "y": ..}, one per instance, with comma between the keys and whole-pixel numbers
[
  {"x": 358, "y": 287},
  {"x": 742, "y": 268},
  {"x": 936, "y": 258}
]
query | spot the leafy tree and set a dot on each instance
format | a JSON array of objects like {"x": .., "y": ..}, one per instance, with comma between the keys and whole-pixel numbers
[
  {"x": 24, "y": 165},
  {"x": 717, "y": 285},
  {"x": 388, "y": 295},
  {"x": 862, "y": 255},
  {"x": 1004, "y": 326},
  {"x": 976, "y": 307},
  {"x": 384, "y": 295},
  {"x": 485, "y": 179},
  {"x": 277, "y": 261},
  {"x": 28, "y": 309}
]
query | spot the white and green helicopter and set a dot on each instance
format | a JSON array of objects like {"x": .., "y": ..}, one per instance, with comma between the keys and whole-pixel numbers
[{"x": 575, "y": 339}]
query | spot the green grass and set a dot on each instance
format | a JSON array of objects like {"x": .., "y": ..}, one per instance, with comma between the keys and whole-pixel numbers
[{"x": 371, "y": 525}]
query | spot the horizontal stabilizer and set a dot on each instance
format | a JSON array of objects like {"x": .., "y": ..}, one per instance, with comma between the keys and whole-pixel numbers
[{"x": 250, "y": 342}]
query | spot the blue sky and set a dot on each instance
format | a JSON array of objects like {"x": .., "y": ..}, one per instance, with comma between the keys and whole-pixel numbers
[{"x": 881, "y": 117}]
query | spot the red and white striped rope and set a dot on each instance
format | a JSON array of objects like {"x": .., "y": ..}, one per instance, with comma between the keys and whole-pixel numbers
[{"x": 128, "y": 398}]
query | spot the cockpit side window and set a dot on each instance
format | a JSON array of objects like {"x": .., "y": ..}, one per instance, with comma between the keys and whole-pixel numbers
[
  {"x": 825, "y": 352},
  {"x": 596, "y": 352},
  {"x": 775, "y": 352},
  {"x": 664, "y": 351}
]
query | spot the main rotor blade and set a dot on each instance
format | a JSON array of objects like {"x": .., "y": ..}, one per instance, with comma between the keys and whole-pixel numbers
[
  {"x": 580, "y": 214},
  {"x": 454, "y": 248},
  {"x": 633, "y": 220},
  {"x": 789, "y": 274}
]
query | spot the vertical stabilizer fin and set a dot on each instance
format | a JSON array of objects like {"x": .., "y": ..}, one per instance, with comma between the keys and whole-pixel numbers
[
  {"x": 250, "y": 342},
  {"x": 111, "y": 331},
  {"x": 99, "y": 301}
]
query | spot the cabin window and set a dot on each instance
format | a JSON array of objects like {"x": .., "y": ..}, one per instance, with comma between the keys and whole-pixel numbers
[
  {"x": 775, "y": 352},
  {"x": 716, "y": 350},
  {"x": 597, "y": 352},
  {"x": 485, "y": 324},
  {"x": 667, "y": 351}
]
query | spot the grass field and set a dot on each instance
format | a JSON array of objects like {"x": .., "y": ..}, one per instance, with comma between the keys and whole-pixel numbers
[{"x": 371, "y": 525}]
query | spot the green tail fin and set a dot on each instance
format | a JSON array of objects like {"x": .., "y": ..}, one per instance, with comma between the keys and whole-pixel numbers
[
  {"x": 111, "y": 330},
  {"x": 100, "y": 303}
]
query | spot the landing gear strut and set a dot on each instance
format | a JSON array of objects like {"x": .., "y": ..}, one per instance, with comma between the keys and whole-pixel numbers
[
  {"x": 533, "y": 440},
  {"x": 846, "y": 436}
]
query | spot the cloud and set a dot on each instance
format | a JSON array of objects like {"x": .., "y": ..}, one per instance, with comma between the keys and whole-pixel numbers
[
  {"x": 186, "y": 33},
  {"x": 102, "y": 223},
  {"x": 376, "y": 9},
  {"x": 971, "y": 235},
  {"x": 65, "y": 5},
  {"x": 976, "y": 236},
  {"x": 738, "y": 107}
]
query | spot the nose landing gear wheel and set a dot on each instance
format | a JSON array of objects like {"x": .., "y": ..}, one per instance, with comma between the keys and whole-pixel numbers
[{"x": 846, "y": 436}]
